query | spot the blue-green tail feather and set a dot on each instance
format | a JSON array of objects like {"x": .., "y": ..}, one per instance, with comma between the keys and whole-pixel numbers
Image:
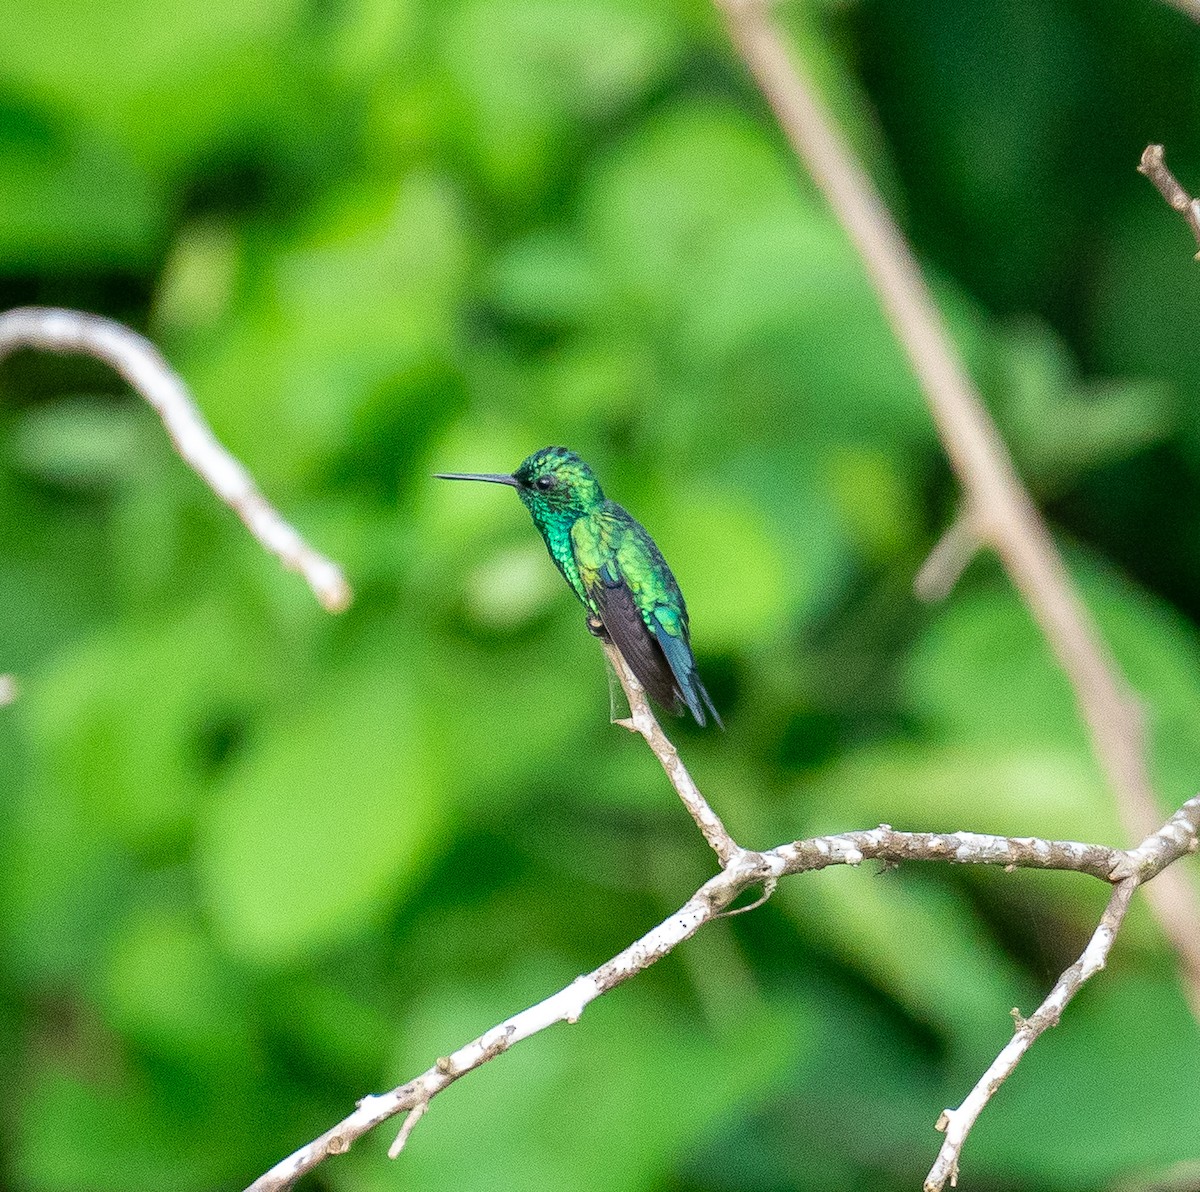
[{"x": 683, "y": 666}]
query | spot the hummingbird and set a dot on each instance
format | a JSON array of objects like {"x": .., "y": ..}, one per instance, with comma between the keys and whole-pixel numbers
[{"x": 612, "y": 564}]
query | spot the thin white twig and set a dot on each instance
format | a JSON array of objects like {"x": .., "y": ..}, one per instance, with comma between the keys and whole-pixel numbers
[
  {"x": 1154, "y": 166},
  {"x": 564, "y": 1006},
  {"x": 8, "y": 690},
  {"x": 49, "y": 329},
  {"x": 642, "y": 720},
  {"x": 1175, "y": 839},
  {"x": 746, "y": 869}
]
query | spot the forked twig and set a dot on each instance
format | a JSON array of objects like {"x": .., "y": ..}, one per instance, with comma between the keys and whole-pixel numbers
[
  {"x": 1125, "y": 869},
  {"x": 1175, "y": 838},
  {"x": 957, "y": 1123}
]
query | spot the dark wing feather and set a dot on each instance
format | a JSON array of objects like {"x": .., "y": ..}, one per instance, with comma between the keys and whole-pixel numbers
[{"x": 623, "y": 621}]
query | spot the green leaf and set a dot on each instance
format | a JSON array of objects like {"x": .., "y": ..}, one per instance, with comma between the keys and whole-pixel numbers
[
  {"x": 529, "y": 73},
  {"x": 114, "y": 1135},
  {"x": 341, "y": 325},
  {"x": 124, "y": 723},
  {"x": 71, "y": 197},
  {"x": 1017, "y": 789},
  {"x": 726, "y": 554},
  {"x": 982, "y": 672},
  {"x": 80, "y": 442},
  {"x": 324, "y": 824},
  {"x": 916, "y": 942},
  {"x": 1059, "y": 426},
  {"x": 166, "y": 986},
  {"x": 665, "y": 201},
  {"x": 147, "y": 73}
]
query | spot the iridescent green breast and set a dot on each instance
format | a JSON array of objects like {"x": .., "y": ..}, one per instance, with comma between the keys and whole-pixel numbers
[{"x": 557, "y": 532}]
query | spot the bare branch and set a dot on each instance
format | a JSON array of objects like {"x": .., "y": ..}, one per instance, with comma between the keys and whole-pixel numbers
[
  {"x": 642, "y": 720},
  {"x": 565, "y": 1006},
  {"x": 1154, "y": 166},
  {"x": 1127, "y": 869},
  {"x": 8, "y": 690},
  {"x": 1003, "y": 515},
  {"x": 49, "y": 329}
]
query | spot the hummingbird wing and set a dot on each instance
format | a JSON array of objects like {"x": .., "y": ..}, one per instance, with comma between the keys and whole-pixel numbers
[
  {"x": 643, "y": 611},
  {"x": 624, "y": 623}
]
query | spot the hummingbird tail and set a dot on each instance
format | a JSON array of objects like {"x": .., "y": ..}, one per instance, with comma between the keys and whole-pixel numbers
[
  {"x": 683, "y": 666},
  {"x": 708, "y": 702}
]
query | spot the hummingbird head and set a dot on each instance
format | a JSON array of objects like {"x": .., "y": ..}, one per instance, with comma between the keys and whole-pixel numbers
[
  {"x": 557, "y": 483},
  {"x": 554, "y": 484}
]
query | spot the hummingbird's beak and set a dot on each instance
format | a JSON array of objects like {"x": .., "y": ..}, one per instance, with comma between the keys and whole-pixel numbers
[{"x": 490, "y": 477}]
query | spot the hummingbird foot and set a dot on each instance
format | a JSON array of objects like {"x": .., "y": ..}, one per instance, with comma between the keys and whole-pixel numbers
[{"x": 596, "y": 628}]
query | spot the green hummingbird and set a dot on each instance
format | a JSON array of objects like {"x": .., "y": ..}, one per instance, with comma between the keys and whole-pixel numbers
[{"x": 615, "y": 569}]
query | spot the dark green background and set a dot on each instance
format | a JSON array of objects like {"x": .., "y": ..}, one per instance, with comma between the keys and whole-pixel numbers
[{"x": 256, "y": 861}]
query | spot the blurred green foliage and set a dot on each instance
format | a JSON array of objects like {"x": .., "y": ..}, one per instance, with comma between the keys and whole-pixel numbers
[{"x": 256, "y": 861}]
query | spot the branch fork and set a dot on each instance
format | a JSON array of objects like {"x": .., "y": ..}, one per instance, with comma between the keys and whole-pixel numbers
[{"x": 742, "y": 869}]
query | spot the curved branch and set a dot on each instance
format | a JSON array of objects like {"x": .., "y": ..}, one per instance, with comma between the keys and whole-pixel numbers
[
  {"x": 49, "y": 329},
  {"x": 1002, "y": 514}
]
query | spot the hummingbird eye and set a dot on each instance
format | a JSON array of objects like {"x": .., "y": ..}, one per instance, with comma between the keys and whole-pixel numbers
[{"x": 545, "y": 483}]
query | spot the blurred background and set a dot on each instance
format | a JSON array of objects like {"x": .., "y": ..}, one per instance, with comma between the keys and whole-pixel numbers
[{"x": 256, "y": 861}]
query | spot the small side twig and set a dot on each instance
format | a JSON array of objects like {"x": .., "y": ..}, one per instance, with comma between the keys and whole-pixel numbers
[
  {"x": 8, "y": 690},
  {"x": 950, "y": 557},
  {"x": 564, "y": 1006},
  {"x": 642, "y": 720},
  {"x": 49, "y": 329},
  {"x": 1154, "y": 166},
  {"x": 415, "y": 1114}
]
